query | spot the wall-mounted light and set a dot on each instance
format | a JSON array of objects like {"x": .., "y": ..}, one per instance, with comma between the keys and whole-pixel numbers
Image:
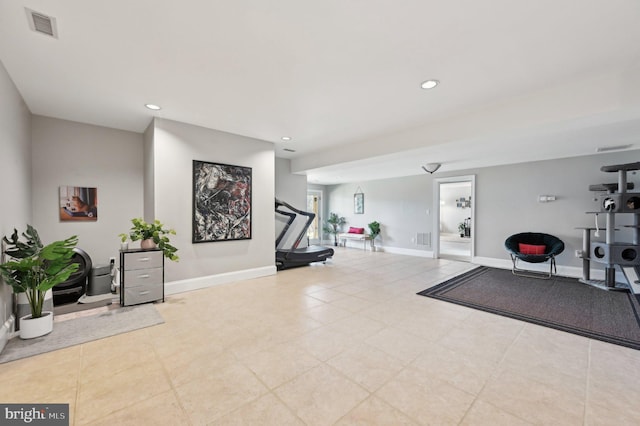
[
  {"x": 546, "y": 198},
  {"x": 431, "y": 168}
]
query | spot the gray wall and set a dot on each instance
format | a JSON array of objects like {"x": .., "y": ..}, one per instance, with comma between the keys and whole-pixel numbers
[
  {"x": 293, "y": 190},
  {"x": 67, "y": 153},
  {"x": 506, "y": 203},
  {"x": 15, "y": 176},
  {"x": 176, "y": 145},
  {"x": 399, "y": 204},
  {"x": 149, "y": 190}
]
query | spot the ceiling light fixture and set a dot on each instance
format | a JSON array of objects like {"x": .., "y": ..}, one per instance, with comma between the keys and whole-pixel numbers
[
  {"x": 153, "y": 107},
  {"x": 429, "y": 84},
  {"x": 431, "y": 168},
  {"x": 286, "y": 138}
]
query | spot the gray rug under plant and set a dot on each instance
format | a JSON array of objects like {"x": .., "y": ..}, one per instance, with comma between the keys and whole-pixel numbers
[{"x": 84, "y": 329}]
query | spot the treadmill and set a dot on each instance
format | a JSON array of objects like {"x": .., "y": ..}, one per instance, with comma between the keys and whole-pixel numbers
[{"x": 296, "y": 256}]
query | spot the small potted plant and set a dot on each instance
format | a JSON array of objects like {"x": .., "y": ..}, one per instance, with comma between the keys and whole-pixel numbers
[
  {"x": 374, "y": 231},
  {"x": 152, "y": 235},
  {"x": 34, "y": 270},
  {"x": 333, "y": 226},
  {"x": 461, "y": 229}
]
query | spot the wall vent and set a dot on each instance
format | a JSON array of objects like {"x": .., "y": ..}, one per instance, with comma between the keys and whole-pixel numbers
[
  {"x": 41, "y": 23},
  {"x": 613, "y": 148}
]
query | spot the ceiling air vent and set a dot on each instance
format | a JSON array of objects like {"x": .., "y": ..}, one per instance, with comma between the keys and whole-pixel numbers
[
  {"x": 289, "y": 150},
  {"x": 42, "y": 23},
  {"x": 613, "y": 148}
]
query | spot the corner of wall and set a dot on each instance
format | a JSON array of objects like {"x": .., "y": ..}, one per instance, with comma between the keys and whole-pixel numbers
[
  {"x": 148, "y": 179},
  {"x": 6, "y": 330}
]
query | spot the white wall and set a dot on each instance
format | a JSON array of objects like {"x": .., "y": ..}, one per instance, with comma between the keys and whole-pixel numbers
[
  {"x": 176, "y": 145},
  {"x": 67, "y": 153},
  {"x": 15, "y": 177}
]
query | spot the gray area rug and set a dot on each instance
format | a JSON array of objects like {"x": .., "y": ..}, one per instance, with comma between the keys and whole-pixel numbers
[
  {"x": 84, "y": 329},
  {"x": 561, "y": 303}
]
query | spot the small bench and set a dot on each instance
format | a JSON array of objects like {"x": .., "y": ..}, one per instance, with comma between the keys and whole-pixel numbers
[{"x": 357, "y": 234}]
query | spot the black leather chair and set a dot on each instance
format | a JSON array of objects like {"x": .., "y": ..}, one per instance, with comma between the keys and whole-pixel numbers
[{"x": 553, "y": 246}]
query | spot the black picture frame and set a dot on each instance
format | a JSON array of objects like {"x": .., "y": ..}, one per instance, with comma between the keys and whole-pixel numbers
[{"x": 221, "y": 202}]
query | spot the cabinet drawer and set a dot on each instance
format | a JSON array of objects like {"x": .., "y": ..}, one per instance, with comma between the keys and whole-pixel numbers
[
  {"x": 142, "y": 260},
  {"x": 142, "y": 294},
  {"x": 138, "y": 277}
]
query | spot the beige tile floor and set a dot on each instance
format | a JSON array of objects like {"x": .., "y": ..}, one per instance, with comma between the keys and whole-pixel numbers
[{"x": 346, "y": 343}]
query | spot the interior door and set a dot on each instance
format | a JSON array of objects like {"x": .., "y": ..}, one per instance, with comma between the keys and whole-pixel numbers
[
  {"x": 454, "y": 227},
  {"x": 314, "y": 205}
]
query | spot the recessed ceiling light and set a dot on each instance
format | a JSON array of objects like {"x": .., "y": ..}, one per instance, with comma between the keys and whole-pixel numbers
[
  {"x": 286, "y": 138},
  {"x": 153, "y": 107},
  {"x": 429, "y": 84}
]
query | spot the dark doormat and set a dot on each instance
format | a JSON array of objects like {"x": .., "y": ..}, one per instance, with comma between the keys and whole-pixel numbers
[{"x": 561, "y": 303}]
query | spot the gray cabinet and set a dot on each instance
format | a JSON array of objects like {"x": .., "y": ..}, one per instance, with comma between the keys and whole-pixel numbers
[{"x": 141, "y": 276}]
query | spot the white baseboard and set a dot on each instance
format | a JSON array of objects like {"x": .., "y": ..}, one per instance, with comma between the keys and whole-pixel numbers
[
  {"x": 175, "y": 287},
  {"x": 394, "y": 250},
  {"x": 407, "y": 252},
  {"x": 565, "y": 271},
  {"x": 356, "y": 244},
  {"x": 6, "y": 331}
]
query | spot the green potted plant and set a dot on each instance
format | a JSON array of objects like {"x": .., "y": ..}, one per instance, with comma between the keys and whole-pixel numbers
[
  {"x": 374, "y": 231},
  {"x": 461, "y": 229},
  {"x": 151, "y": 235},
  {"x": 34, "y": 270},
  {"x": 333, "y": 226}
]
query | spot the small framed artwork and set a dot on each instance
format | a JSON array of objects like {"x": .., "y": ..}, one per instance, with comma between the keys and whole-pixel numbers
[
  {"x": 221, "y": 202},
  {"x": 78, "y": 204},
  {"x": 358, "y": 203}
]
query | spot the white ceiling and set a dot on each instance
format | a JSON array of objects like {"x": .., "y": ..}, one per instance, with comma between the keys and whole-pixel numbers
[{"x": 520, "y": 80}]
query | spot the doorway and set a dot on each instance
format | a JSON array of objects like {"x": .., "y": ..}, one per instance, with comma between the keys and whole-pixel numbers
[
  {"x": 314, "y": 205},
  {"x": 454, "y": 228}
]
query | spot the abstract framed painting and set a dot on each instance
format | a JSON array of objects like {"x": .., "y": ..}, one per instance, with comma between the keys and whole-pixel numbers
[{"x": 221, "y": 202}]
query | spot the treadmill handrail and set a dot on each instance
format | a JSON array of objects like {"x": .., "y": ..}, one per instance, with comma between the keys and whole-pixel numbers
[
  {"x": 310, "y": 215},
  {"x": 292, "y": 217}
]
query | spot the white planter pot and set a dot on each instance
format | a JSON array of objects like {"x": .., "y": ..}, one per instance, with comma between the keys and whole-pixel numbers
[
  {"x": 36, "y": 327},
  {"x": 23, "y": 308}
]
